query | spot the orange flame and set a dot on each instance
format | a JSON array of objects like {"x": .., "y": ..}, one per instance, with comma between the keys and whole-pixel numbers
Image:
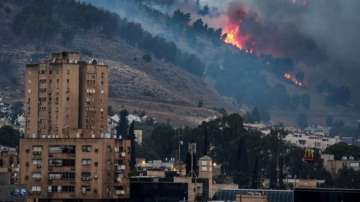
[
  {"x": 234, "y": 36},
  {"x": 293, "y": 79}
]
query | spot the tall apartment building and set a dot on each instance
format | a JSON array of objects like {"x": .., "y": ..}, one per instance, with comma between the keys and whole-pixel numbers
[
  {"x": 66, "y": 153},
  {"x": 66, "y": 98}
]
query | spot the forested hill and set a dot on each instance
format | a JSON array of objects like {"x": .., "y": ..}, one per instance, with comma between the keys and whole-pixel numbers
[
  {"x": 147, "y": 72},
  {"x": 177, "y": 70},
  {"x": 253, "y": 80}
]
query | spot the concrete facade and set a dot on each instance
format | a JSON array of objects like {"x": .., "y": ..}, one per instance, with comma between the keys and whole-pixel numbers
[
  {"x": 67, "y": 153},
  {"x": 66, "y": 98},
  {"x": 75, "y": 168}
]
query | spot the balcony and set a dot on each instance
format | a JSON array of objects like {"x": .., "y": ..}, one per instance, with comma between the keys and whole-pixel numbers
[{"x": 120, "y": 192}]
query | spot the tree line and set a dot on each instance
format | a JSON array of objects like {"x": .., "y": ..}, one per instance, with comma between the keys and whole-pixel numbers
[
  {"x": 248, "y": 157},
  {"x": 44, "y": 21}
]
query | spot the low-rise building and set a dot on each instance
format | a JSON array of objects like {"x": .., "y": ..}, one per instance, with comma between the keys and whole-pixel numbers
[
  {"x": 258, "y": 197},
  {"x": 306, "y": 140},
  {"x": 333, "y": 166},
  {"x": 9, "y": 166}
]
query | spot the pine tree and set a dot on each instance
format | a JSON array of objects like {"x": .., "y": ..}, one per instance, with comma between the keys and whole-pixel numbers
[
  {"x": 133, "y": 146},
  {"x": 123, "y": 125}
]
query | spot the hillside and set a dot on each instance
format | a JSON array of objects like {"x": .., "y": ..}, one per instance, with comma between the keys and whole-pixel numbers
[
  {"x": 138, "y": 83},
  {"x": 328, "y": 88},
  {"x": 167, "y": 63}
]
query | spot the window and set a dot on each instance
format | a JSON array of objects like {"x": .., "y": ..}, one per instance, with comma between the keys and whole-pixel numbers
[
  {"x": 85, "y": 189},
  {"x": 36, "y": 162},
  {"x": 68, "y": 176},
  {"x": 37, "y": 148},
  {"x": 35, "y": 189},
  {"x": 68, "y": 162},
  {"x": 54, "y": 188},
  {"x": 61, "y": 189},
  {"x": 85, "y": 176},
  {"x": 67, "y": 149},
  {"x": 119, "y": 190},
  {"x": 36, "y": 175},
  {"x": 54, "y": 176},
  {"x": 55, "y": 149},
  {"x": 86, "y": 162},
  {"x": 55, "y": 162},
  {"x": 86, "y": 148}
]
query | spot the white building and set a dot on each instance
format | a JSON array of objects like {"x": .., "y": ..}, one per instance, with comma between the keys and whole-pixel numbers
[
  {"x": 306, "y": 140},
  {"x": 263, "y": 128},
  {"x": 334, "y": 166}
]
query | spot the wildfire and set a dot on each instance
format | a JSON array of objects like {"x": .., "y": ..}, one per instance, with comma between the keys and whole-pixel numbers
[
  {"x": 293, "y": 79},
  {"x": 234, "y": 36}
]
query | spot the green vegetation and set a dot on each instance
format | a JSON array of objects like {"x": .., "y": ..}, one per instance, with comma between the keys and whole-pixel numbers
[
  {"x": 335, "y": 95},
  {"x": 342, "y": 149},
  {"x": 43, "y": 21},
  {"x": 257, "y": 115},
  {"x": 348, "y": 178},
  {"x": 9, "y": 136},
  {"x": 247, "y": 156},
  {"x": 122, "y": 129}
]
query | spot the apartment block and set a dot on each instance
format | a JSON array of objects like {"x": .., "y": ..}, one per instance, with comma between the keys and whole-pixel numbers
[
  {"x": 66, "y": 98},
  {"x": 76, "y": 169},
  {"x": 67, "y": 153}
]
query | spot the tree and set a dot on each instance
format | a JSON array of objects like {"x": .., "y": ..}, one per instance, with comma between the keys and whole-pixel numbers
[
  {"x": 133, "y": 146},
  {"x": 342, "y": 149},
  {"x": 255, "y": 174},
  {"x": 348, "y": 178},
  {"x": 206, "y": 139},
  {"x": 276, "y": 148},
  {"x": 163, "y": 141},
  {"x": 9, "y": 136},
  {"x": 110, "y": 111},
  {"x": 242, "y": 177},
  {"x": 123, "y": 125},
  {"x": 147, "y": 58},
  {"x": 181, "y": 18},
  {"x": 199, "y": 26}
]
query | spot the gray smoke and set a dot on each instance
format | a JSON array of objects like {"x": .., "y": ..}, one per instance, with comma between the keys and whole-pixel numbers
[{"x": 300, "y": 28}]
